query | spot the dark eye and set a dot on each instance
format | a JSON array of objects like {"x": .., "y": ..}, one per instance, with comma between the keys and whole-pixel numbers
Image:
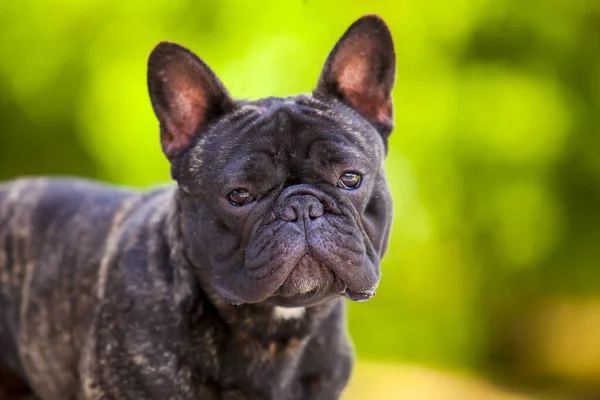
[
  {"x": 239, "y": 197},
  {"x": 349, "y": 181}
]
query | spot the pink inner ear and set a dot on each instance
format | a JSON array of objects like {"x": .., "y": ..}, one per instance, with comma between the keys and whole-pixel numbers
[
  {"x": 190, "y": 103},
  {"x": 356, "y": 74},
  {"x": 188, "y": 111}
]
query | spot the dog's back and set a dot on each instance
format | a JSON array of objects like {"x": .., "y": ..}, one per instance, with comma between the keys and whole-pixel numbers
[{"x": 52, "y": 235}]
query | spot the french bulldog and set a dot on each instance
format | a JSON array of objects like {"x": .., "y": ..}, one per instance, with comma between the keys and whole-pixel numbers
[{"x": 229, "y": 284}]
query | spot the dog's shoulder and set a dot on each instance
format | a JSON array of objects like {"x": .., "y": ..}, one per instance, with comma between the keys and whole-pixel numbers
[
  {"x": 58, "y": 195},
  {"x": 65, "y": 220}
]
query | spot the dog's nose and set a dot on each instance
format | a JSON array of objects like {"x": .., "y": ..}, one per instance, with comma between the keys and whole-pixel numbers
[{"x": 301, "y": 206}]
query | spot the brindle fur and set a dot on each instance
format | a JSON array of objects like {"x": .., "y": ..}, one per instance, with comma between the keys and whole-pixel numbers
[
  {"x": 175, "y": 293},
  {"x": 93, "y": 289}
]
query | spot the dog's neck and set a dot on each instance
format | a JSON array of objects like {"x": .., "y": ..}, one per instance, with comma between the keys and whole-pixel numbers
[{"x": 195, "y": 298}]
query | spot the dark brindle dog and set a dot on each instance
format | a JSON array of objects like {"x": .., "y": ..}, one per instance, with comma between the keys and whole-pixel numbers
[{"x": 228, "y": 285}]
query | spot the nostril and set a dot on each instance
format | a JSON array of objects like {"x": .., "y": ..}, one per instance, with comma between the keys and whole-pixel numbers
[
  {"x": 315, "y": 210},
  {"x": 289, "y": 214},
  {"x": 301, "y": 207}
]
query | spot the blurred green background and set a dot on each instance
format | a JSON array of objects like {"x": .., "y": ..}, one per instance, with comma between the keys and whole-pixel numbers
[{"x": 492, "y": 281}]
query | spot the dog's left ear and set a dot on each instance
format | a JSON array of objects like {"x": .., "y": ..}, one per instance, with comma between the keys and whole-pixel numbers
[
  {"x": 360, "y": 71},
  {"x": 186, "y": 96}
]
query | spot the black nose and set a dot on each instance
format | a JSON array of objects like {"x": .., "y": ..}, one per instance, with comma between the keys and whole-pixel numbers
[{"x": 301, "y": 206}]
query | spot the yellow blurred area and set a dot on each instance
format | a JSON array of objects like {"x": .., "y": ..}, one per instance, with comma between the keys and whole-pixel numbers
[
  {"x": 560, "y": 338},
  {"x": 375, "y": 381}
]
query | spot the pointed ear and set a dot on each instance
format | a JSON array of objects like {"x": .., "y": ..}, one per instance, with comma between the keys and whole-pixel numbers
[
  {"x": 360, "y": 71},
  {"x": 186, "y": 96}
]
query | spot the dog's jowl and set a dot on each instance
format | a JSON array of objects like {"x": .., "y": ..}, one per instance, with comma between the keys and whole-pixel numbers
[{"x": 229, "y": 284}]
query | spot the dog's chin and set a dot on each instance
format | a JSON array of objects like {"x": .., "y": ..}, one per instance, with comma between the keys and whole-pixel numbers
[
  {"x": 313, "y": 298},
  {"x": 310, "y": 283}
]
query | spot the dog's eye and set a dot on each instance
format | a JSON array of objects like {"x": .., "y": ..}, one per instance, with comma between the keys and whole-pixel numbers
[
  {"x": 349, "y": 181},
  {"x": 239, "y": 197}
]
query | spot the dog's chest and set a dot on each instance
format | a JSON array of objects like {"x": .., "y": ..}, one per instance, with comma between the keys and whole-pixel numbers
[{"x": 243, "y": 366}]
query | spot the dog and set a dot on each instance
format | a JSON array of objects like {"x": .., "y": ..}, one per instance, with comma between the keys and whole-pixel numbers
[{"x": 229, "y": 284}]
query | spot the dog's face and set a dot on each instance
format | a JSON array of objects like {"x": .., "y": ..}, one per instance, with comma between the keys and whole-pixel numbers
[{"x": 284, "y": 200}]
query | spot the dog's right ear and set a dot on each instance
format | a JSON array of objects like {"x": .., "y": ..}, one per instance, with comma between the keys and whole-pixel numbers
[
  {"x": 186, "y": 96},
  {"x": 360, "y": 71}
]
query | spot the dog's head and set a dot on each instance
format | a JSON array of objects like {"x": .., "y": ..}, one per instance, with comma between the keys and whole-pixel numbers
[{"x": 284, "y": 200}]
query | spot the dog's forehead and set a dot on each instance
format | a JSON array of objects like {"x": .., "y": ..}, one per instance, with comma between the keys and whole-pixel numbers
[
  {"x": 271, "y": 138},
  {"x": 291, "y": 125}
]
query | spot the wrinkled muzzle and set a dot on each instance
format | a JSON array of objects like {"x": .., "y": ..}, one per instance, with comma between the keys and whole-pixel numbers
[{"x": 310, "y": 248}]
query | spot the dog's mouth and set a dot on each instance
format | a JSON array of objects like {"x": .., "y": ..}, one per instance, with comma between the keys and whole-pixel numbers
[
  {"x": 285, "y": 266},
  {"x": 309, "y": 283},
  {"x": 312, "y": 282},
  {"x": 307, "y": 276}
]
